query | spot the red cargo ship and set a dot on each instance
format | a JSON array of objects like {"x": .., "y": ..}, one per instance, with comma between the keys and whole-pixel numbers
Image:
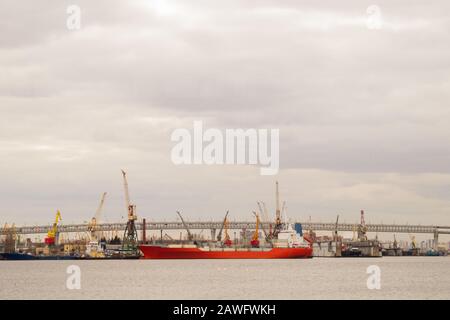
[
  {"x": 288, "y": 245},
  {"x": 194, "y": 252}
]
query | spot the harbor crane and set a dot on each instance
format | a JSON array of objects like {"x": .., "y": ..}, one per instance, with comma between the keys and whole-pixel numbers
[
  {"x": 362, "y": 228},
  {"x": 190, "y": 236},
  {"x": 226, "y": 240},
  {"x": 10, "y": 238},
  {"x": 255, "y": 238},
  {"x": 92, "y": 227},
  {"x": 52, "y": 234},
  {"x": 266, "y": 235},
  {"x": 413, "y": 242},
  {"x": 130, "y": 238},
  {"x": 336, "y": 229},
  {"x": 278, "y": 213},
  {"x": 219, "y": 236},
  {"x": 265, "y": 216},
  {"x": 278, "y": 223}
]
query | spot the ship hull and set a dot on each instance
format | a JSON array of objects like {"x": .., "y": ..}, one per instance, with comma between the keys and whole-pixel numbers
[
  {"x": 159, "y": 252},
  {"x": 22, "y": 256}
]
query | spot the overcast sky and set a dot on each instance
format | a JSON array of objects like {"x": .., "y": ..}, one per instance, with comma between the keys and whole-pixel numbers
[{"x": 363, "y": 113}]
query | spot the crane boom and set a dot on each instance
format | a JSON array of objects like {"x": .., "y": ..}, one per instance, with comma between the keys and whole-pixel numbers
[
  {"x": 255, "y": 234},
  {"x": 262, "y": 227},
  {"x": 127, "y": 194},
  {"x": 219, "y": 236},
  {"x": 336, "y": 228},
  {"x": 96, "y": 219},
  {"x": 100, "y": 207},
  {"x": 190, "y": 237},
  {"x": 263, "y": 212},
  {"x": 277, "y": 199},
  {"x": 53, "y": 232},
  {"x": 278, "y": 223},
  {"x": 284, "y": 212}
]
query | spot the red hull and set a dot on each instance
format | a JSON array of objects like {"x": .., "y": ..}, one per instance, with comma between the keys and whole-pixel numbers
[{"x": 157, "y": 252}]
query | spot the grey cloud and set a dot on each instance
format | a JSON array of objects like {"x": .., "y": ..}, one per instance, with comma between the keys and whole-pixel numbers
[{"x": 351, "y": 103}]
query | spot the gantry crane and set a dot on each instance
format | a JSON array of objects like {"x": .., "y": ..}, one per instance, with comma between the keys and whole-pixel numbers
[
  {"x": 92, "y": 227},
  {"x": 130, "y": 238}
]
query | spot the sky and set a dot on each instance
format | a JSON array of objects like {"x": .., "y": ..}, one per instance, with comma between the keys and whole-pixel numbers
[{"x": 363, "y": 110}]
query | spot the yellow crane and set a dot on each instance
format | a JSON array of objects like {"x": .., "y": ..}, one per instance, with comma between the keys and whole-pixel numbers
[
  {"x": 219, "y": 236},
  {"x": 413, "y": 241},
  {"x": 96, "y": 219},
  {"x": 51, "y": 234}
]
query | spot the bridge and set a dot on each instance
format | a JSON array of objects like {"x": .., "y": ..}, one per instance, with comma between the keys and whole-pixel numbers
[{"x": 316, "y": 226}]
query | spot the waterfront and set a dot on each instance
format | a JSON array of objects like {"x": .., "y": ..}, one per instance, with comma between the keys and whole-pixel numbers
[{"x": 318, "y": 278}]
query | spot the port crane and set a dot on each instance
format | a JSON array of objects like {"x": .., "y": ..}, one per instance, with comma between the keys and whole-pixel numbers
[
  {"x": 265, "y": 216},
  {"x": 266, "y": 235},
  {"x": 336, "y": 229},
  {"x": 96, "y": 219},
  {"x": 278, "y": 213},
  {"x": 190, "y": 236},
  {"x": 413, "y": 242},
  {"x": 10, "y": 238},
  {"x": 255, "y": 238},
  {"x": 53, "y": 232},
  {"x": 226, "y": 240},
  {"x": 278, "y": 223},
  {"x": 219, "y": 236},
  {"x": 395, "y": 242},
  {"x": 130, "y": 237},
  {"x": 362, "y": 228}
]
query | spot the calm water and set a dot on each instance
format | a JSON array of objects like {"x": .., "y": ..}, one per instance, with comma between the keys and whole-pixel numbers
[{"x": 319, "y": 278}]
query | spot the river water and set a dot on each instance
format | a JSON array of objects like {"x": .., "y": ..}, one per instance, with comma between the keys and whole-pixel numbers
[{"x": 318, "y": 278}]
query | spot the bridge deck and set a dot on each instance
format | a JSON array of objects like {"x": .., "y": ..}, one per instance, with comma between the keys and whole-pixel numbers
[{"x": 316, "y": 226}]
